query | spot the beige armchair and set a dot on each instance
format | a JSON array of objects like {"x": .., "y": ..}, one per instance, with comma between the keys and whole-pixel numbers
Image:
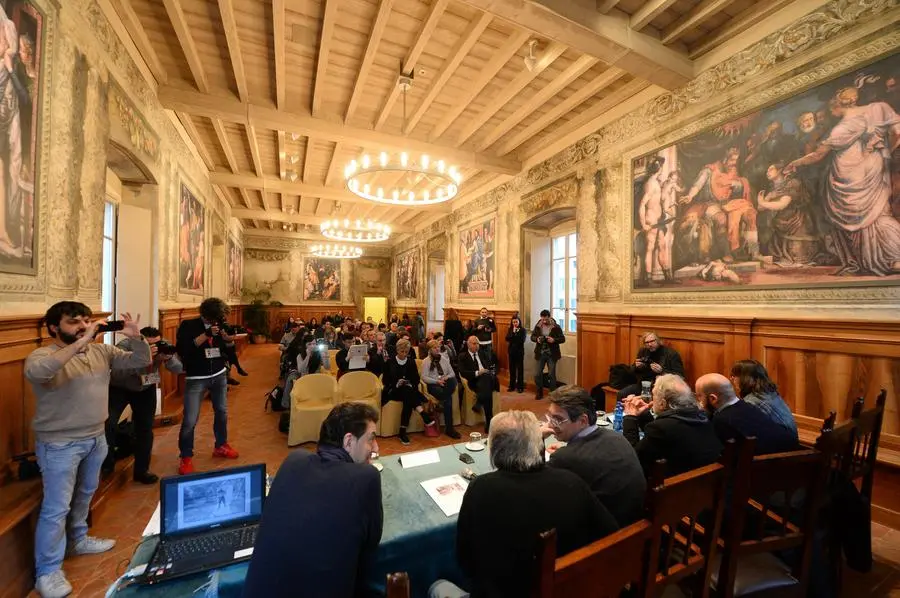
[
  {"x": 390, "y": 416},
  {"x": 363, "y": 387},
  {"x": 312, "y": 398},
  {"x": 470, "y": 417},
  {"x": 332, "y": 362},
  {"x": 456, "y": 411}
]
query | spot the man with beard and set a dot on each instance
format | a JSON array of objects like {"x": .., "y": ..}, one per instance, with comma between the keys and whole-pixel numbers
[
  {"x": 70, "y": 381},
  {"x": 653, "y": 359}
]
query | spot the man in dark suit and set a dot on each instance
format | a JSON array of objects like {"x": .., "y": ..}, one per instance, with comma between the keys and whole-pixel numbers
[
  {"x": 601, "y": 457},
  {"x": 680, "y": 433},
  {"x": 735, "y": 418},
  {"x": 547, "y": 336},
  {"x": 325, "y": 548},
  {"x": 480, "y": 374}
]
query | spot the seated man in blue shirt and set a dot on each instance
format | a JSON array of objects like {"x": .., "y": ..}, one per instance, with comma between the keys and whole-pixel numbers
[{"x": 323, "y": 518}]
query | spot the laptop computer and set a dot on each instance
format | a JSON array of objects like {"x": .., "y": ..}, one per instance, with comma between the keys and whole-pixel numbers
[{"x": 207, "y": 520}]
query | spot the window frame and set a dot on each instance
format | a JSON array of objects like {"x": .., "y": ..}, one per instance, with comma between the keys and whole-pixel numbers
[
  {"x": 111, "y": 211},
  {"x": 569, "y": 236}
]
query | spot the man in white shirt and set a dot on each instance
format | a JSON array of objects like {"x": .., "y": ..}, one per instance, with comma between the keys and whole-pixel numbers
[{"x": 479, "y": 373}]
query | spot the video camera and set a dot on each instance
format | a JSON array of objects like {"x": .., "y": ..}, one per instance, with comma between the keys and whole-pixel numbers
[{"x": 165, "y": 348}]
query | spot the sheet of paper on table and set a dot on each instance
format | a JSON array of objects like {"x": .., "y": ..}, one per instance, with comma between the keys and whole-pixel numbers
[
  {"x": 152, "y": 528},
  {"x": 420, "y": 458},
  {"x": 447, "y": 492},
  {"x": 356, "y": 357}
]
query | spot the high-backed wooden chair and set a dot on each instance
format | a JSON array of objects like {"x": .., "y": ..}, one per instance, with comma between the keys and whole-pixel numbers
[
  {"x": 599, "y": 570},
  {"x": 685, "y": 512},
  {"x": 773, "y": 508},
  {"x": 397, "y": 585},
  {"x": 865, "y": 449}
]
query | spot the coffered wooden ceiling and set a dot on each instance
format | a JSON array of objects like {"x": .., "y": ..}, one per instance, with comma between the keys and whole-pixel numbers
[{"x": 278, "y": 95}]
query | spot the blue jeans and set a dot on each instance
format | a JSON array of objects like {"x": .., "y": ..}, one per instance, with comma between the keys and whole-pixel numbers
[
  {"x": 193, "y": 394},
  {"x": 71, "y": 474},
  {"x": 545, "y": 358},
  {"x": 445, "y": 394}
]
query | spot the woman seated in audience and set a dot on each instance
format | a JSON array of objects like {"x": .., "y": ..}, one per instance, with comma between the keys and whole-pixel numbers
[
  {"x": 752, "y": 382},
  {"x": 437, "y": 374},
  {"x": 401, "y": 383},
  {"x": 311, "y": 356},
  {"x": 313, "y": 326},
  {"x": 289, "y": 325}
]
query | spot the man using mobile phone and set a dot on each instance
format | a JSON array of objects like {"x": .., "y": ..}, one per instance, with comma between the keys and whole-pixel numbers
[
  {"x": 70, "y": 381},
  {"x": 138, "y": 388},
  {"x": 201, "y": 346}
]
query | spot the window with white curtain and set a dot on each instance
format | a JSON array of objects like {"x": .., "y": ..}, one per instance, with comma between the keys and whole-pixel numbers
[
  {"x": 564, "y": 285},
  {"x": 108, "y": 284}
]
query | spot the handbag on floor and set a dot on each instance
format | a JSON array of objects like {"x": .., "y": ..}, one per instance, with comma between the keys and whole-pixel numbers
[{"x": 274, "y": 397}]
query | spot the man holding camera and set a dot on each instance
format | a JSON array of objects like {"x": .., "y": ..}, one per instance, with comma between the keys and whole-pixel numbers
[
  {"x": 547, "y": 336},
  {"x": 70, "y": 381},
  {"x": 202, "y": 343},
  {"x": 137, "y": 388},
  {"x": 653, "y": 360}
]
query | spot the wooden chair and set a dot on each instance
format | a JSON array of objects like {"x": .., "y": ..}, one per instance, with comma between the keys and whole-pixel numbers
[
  {"x": 397, "y": 585},
  {"x": 685, "y": 513},
  {"x": 599, "y": 570},
  {"x": 773, "y": 507},
  {"x": 865, "y": 449}
]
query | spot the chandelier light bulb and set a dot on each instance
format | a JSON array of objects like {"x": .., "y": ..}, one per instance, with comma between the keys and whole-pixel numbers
[
  {"x": 424, "y": 161},
  {"x": 366, "y": 162},
  {"x": 380, "y": 193},
  {"x": 383, "y": 159},
  {"x": 441, "y": 166},
  {"x": 404, "y": 159}
]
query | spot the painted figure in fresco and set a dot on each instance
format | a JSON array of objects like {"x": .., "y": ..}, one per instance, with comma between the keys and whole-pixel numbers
[
  {"x": 858, "y": 189},
  {"x": 463, "y": 261},
  {"x": 666, "y": 228},
  {"x": 650, "y": 214},
  {"x": 794, "y": 241},
  {"x": 11, "y": 212},
  {"x": 489, "y": 254}
]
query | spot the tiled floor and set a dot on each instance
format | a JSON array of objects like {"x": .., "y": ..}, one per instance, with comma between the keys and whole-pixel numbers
[{"x": 254, "y": 433}]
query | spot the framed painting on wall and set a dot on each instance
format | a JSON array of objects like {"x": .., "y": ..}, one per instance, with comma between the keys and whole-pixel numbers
[
  {"x": 235, "y": 268},
  {"x": 799, "y": 194},
  {"x": 409, "y": 265},
  {"x": 476, "y": 260},
  {"x": 191, "y": 243},
  {"x": 22, "y": 39},
  {"x": 321, "y": 279}
]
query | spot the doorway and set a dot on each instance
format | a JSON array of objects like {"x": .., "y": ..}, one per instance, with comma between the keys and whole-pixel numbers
[
  {"x": 435, "y": 294},
  {"x": 376, "y": 308}
]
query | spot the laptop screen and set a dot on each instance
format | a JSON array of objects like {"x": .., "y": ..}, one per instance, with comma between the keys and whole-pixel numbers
[{"x": 204, "y": 501}]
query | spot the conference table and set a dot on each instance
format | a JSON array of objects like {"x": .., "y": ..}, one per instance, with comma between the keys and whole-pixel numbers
[{"x": 418, "y": 537}]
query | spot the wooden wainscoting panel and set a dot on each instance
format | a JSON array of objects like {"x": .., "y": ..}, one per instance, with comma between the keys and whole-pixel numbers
[{"x": 597, "y": 348}]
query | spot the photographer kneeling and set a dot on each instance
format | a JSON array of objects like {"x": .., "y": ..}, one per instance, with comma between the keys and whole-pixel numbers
[{"x": 137, "y": 388}]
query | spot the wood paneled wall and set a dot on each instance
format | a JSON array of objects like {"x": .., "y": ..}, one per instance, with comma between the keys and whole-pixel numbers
[{"x": 501, "y": 321}]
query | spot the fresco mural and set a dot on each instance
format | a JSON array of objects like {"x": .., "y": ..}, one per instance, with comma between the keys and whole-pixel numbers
[
  {"x": 409, "y": 265},
  {"x": 476, "y": 260},
  {"x": 191, "y": 243},
  {"x": 235, "y": 268},
  {"x": 803, "y": 193},
  {"x": 321, "y": 279}
]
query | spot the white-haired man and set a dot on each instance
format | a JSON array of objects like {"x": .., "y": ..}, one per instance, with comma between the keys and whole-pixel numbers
[{"x": 504, "y": 511}]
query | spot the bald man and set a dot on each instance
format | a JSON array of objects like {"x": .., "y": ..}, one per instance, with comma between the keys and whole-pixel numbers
[{"x": 734, "y": 418}]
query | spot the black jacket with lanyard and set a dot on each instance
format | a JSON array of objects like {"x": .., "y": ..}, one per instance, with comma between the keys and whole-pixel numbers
[{"x": 208, "y": 359}]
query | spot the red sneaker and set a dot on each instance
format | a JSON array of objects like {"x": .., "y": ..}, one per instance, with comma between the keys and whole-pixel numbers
[
  {"x": 431, "y": 430},
  {"x": 226, "y": 452},
  {"x": 185, "y": 466}
]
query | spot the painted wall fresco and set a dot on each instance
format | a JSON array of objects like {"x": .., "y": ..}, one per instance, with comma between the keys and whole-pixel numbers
[
  {"x": 476, "y": 260},
  {"x": 409, "y": 265},
  {"x": 321, "y": 279},
  {"x": 191, "y": 243}
]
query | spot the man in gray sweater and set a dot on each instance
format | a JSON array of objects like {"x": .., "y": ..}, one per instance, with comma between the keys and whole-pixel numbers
[{"x": 70, "y": 381}]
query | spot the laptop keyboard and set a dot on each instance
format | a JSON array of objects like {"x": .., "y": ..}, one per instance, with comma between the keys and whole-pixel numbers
[{"x": 198, "y": 546}]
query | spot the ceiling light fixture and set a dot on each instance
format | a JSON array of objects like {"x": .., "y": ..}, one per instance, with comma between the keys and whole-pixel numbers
[
  {"x": 357, "y": 231},
  {"x": 403, "y": 178},
  {"x": 336, "y": 251},
  {"x": 531, "y": 59}
]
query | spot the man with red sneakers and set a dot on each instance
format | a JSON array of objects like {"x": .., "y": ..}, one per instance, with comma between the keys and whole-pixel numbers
[{"x": 201, "y": 346}]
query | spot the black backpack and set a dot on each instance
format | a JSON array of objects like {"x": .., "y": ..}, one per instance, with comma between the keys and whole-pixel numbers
[
  {"x": 620, "y": 376},
  {"x": 284, "y": 423},
  {"x": 274, "y": 397}
]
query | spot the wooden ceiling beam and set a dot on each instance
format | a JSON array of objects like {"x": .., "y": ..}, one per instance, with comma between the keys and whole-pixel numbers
[
  {"x": 511, "y": 90},
  {"x": 378, "y": 27},
  {"x": 647, "y": 12},
  {"x": 273, "y": 185},
  {"x": 278, "y": 33},
  {"x": 575, "y": 70},
  {"x": 278, "y": 216},
  {"x": 614, "y": 106},
  {"x": 183, "y": 33},
  {"x": 226, "y": 10},
  {"x": 139, "y": 35},
  {"x": 328, "y": 19},
  {"x": 692, "y": 18},
  {"x": 409, "y": 63},
  {"x": 333, "y": 163},
  {"x": 307, "y": 159},
  {"x": 454, "y": 59},
  {"x": 487, "y": 74},
  {"x": 282, "y": 155},
  {"x": 261, "y": 117},
  {"x": 188, "y": 124},
  {"x": 222, "y": 135},
  {"x": 604, "y": 6},
  {"x": 254, "y": 149},
  {"x": 576, "y": 99},
  {"x": 608, "y": 37}
]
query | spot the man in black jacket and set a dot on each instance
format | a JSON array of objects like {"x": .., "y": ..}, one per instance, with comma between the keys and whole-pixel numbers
[
  {"x": 547, "y": 336},
  {"x": 504, "y": 511},
  {"x": 515, "y": 341},
  {"x": 323, "y": 518},
  {"x": 680, "y": 433},
  {"x": 653, "y": 359},
  {"x": 479, "y": 372},
  {"x": 601, "y": 457},
  {"x": 201, "y": 344},
  {"x": 735, "y": 418}
]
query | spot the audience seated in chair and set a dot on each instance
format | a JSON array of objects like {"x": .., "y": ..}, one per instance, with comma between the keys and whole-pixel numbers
[
  {"x": 401, "y": 383},
  {"x": 478, "y": 371},
  {"x": 755, "y": 387},
  {"x": 734, "y": 418},
  {"x": 438, "y": 376},
  {"x": 323, "y": 518},
  {"x": 654, "y": 359},
  {"x": 343, "y": 362},
  {"x": 504, "y": 511},
  {"x": 680, "y": 433},
  {"x": 600, "y": 456}
]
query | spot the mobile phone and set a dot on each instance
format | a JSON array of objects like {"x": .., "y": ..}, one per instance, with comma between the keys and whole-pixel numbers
[
  {"x": 111, "y": 326},
  {"x": 466, "y": 458}
]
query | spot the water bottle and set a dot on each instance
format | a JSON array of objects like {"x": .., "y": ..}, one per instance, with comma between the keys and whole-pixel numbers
[
  {"x": 645, "y": 391},
  {"x": 618, "y": 416}
]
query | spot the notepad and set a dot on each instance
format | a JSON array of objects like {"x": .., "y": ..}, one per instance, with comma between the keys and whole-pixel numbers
[
  {"x": 356, "y": 357},
  {"x": 447, "y": 492},
  {"x": 420, "y": 458}
]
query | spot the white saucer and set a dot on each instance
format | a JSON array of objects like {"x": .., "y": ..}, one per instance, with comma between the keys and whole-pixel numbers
[
  {"x": 603, "y": 422},
  {"x": 474, "y": 446},
  {"x": 377, "y": 466}
]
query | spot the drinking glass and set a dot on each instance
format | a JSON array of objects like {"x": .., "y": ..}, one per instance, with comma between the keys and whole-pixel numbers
[{"x": 475, "y": 437}]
